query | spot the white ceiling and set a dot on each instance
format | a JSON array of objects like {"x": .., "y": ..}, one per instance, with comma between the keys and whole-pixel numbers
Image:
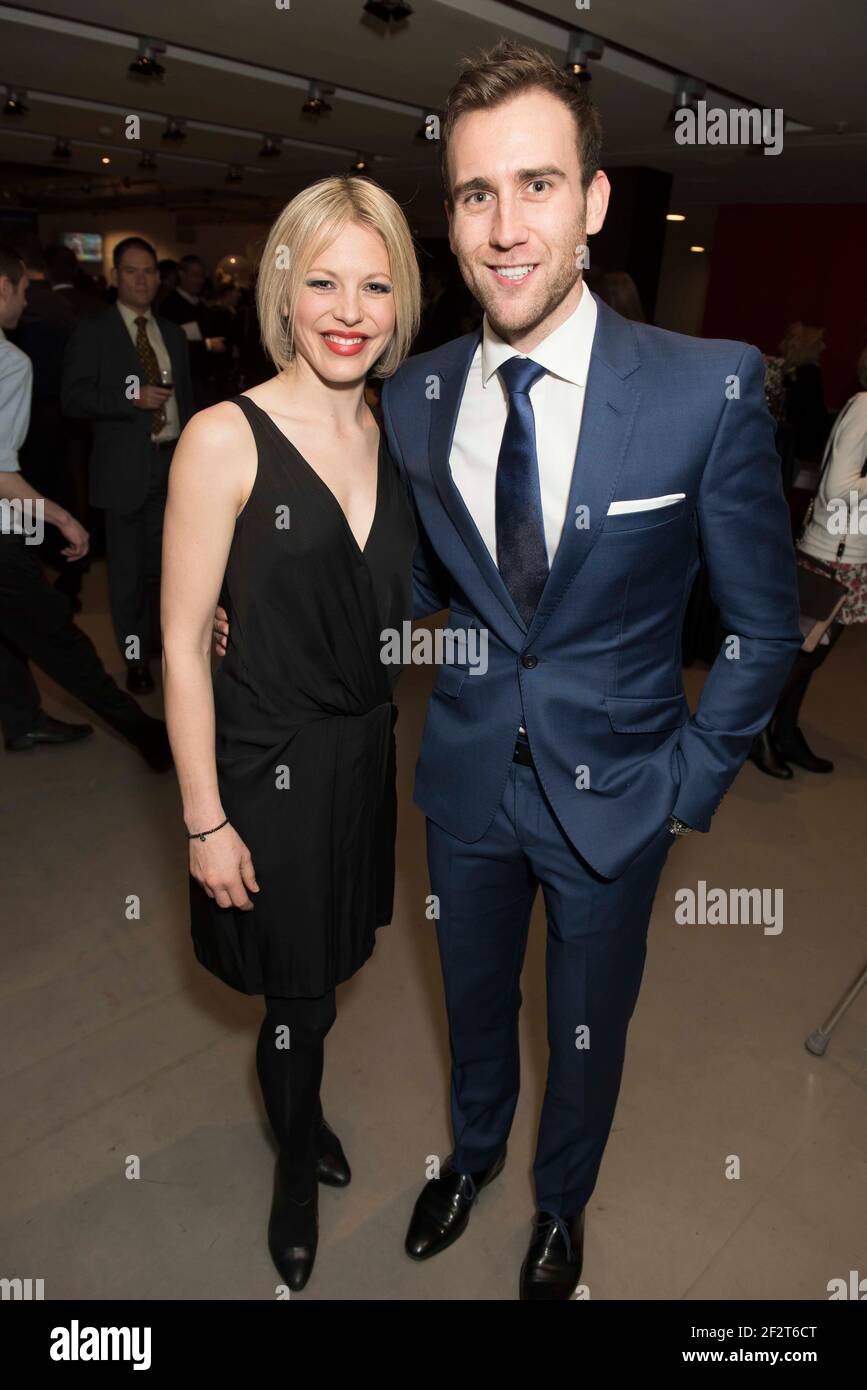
[{"x": 774, "y": 53}]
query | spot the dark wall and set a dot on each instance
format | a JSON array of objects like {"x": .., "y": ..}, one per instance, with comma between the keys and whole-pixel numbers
[
  {"x": 634, "y": 232},
  {"x": 772, "y": 264}
]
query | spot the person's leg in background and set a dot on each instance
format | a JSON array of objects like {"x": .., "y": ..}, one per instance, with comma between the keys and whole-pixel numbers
[
  {"x": 788, "y": 739},
  {"x": 290, "y": 1056},
  {"x": 22, "y": 718},
  {"x": 125, "y": 545},
  {"x": 36, "y": 623},
  {"x": 154, "y": 516},
  {"x": 485, "y": 892}
]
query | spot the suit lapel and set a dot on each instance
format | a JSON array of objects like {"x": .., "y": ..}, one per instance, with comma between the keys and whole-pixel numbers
[
  {"x": 443, "y": 419},
  {"x": 607, "y": 419},
  {"x": 125, "y": 344}
]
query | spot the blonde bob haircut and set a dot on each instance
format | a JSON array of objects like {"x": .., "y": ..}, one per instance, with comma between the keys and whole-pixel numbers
[{"x": 308, "y": 224}]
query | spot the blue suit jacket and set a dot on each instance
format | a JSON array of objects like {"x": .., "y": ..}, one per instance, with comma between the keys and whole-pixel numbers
[{"x": 609, "y": 727}]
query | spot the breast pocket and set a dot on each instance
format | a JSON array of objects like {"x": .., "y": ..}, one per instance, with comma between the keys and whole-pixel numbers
[
  {"x": 450, "y": 680},
  {"x": 647, "y": 520}
]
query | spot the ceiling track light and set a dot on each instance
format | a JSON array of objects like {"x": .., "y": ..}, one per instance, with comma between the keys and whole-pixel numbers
[
  {"x": 174, "y": 129},
  {"x": 145, "y": 64},
  {"x": 148, "y": 160},
  {"x": 316, "y": 105},
  {"x": 688, "y": 91},
  {"x": 583, "y": 49},
  {"x": 61, "y": 149},
  {"x": 234, "y": 174},
  {"x": 388, "y": 11},
  {"x": 272, "y": 147},
  {"x": 14, "y": 103}
]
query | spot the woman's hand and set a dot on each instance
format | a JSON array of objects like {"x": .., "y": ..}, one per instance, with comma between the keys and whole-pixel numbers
[
  {"x": 223, "y": 866},
  {"x": 221, "y": 630}
]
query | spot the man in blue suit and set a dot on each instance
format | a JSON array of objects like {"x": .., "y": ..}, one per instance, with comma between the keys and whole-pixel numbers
[{"x": 566, "y": 465}]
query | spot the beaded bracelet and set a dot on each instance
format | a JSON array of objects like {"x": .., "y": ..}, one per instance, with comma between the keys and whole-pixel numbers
[{"x": 200, "y": 834}]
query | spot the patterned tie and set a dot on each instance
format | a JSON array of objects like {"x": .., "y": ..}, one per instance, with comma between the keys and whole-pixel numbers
[
  {"x": 151, "y": 368},
  {"x": 521, "y": 554}
]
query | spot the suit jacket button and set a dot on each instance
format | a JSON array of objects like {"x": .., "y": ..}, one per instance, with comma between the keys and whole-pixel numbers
[{"x": 529, "y": 661}]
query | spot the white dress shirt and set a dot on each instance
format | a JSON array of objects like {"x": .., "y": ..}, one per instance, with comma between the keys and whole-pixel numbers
[
  {"x": 16, "y": 385},
  {"x": 172, "y": 428},
  {"x": 558, "y": 403}
]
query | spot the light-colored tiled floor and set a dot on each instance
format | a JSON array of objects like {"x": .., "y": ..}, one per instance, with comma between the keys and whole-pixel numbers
[{"x": 114, "y": 1042}]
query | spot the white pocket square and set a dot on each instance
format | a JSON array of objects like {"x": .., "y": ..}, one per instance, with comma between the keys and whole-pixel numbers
[{"x": 644, "y": 504}]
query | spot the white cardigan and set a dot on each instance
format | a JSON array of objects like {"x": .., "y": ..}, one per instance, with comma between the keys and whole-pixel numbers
[{"x": 840, "y": 511}]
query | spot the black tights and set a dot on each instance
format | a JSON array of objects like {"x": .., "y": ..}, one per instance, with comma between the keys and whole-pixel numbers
[
  {"x": 289, "y": 1060},
  {"x": 788, "y": 711}
]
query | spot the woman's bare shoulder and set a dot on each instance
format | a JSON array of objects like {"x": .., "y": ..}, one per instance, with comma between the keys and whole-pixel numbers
[{"x": 222, "y": 427}]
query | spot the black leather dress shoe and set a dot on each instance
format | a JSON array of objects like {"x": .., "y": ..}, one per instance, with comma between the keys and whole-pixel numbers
[
  {"x": 552, "y": 1268},
  {"x": 139, "y": 680},
  {"x": 443, "y": 1207},
  {"x": 766, "y": 758},
  {"x": 293, "y": 1232},
  {"x": 795, "y": 749},
  {"x": 331, "y": 1165},
  {"x": 48, "y": 730}
]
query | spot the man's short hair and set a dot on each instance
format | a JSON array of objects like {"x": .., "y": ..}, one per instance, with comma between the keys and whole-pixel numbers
[
  {"x": 29, "y": 249},
  {"x": 188, "y": 260},
  {"x": 11, "y": 264},
  {"x": 127, "y": 244},
  {"x": 507, "y": 70},
  {"x": 62, "y": 262}
]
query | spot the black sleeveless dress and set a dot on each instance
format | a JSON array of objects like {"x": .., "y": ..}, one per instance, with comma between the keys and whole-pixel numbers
[{"x": 305, "y": 724}]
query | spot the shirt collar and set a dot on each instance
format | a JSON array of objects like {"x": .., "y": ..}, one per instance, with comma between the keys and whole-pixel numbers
[
  {"x": 190, "y": 298},
  {"x": 564, "y": 353},
  {"x": 130, "y": 315}
]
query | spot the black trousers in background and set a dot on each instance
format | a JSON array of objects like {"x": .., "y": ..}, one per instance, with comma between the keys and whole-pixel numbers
[
  {"x": 289, "y": 1060},
  {"x": 133, "y": 543},
  {"x": 36, "y": 625}
]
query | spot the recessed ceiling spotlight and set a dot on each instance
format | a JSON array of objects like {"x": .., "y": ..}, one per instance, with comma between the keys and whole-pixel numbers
[
  {"x": 14, "y": 103},
  {"x": 675, "y": 217},
  {"x": 697, "y": 249},
  {"x": 360, "y": 165},
  {"x": 104, "y": 159},
  {"x": 389, "y": 11},
  {"x": 61, "y": 149},
  {"x": 145, "y": 65},
  {"x": 234, "y": 174},
  {"x": 316, "y": 105},
  {"x": 147, "y": 160},
  {"x": 272, "y": 147}
]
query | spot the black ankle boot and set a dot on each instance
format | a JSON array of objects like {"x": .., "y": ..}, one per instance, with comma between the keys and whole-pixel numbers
[
  {"x": 797, "y": 750},
  {"x": 293, "y": 1230},
  {"x": 764, "y": 754},
  {"x": 331, "y": 1165}
]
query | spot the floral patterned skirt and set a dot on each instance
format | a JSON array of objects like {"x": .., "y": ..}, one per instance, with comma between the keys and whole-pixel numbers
[{"x": 854, "y": 577}]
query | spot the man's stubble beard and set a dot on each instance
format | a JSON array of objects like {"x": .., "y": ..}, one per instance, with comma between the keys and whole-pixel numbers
[{"x": 567, "y": 273}]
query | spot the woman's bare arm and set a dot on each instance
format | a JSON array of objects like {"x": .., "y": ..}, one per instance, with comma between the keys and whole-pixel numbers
[{"x": 212, "y": 473}]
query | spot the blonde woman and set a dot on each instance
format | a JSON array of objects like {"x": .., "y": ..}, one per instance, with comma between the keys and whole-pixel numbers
[{"x": 285, "y": 505}]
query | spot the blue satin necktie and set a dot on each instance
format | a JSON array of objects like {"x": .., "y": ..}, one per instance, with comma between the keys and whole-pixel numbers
[{"x": 522, "y": 557}]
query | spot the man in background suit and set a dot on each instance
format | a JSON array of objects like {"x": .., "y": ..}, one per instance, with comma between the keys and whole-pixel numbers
[
  {"x": 129, "y": 373},
  {"x": 184, "y": 306}
]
